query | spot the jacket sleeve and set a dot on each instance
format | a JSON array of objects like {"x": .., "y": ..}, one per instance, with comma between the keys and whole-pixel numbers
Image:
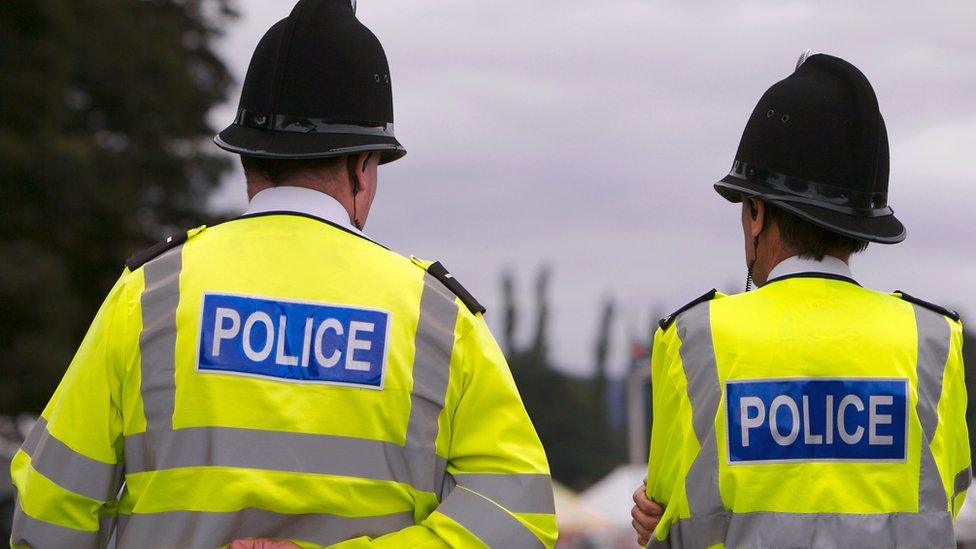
[
  {"x": 950, "y": 445},
  {"x": 68, "y": 472},
  {"x": 669, "y": 460},
  {"x": 499, "y": 492}
]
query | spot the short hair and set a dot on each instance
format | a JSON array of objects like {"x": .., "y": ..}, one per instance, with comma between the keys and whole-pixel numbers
[
  {"x": 809, "y": 240},
  {"x": 279, "y": 170}
]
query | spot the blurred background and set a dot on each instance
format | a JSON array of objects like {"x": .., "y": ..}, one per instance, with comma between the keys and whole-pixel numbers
[{"x": 561, "y": 156}]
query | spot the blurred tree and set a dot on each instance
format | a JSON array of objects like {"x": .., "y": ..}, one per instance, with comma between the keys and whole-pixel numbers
[
  {"x": 539, "y": 347},
  {"x": 601, "y": 349},
  {"x": 567, "y": 411},
  {"x": 103, "y": 112},
  {"x": 601, "y": 352},
  {"x": 510, "y": 319}
]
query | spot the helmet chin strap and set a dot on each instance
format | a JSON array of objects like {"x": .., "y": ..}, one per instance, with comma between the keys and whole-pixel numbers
[
  {"x": 754, "y": 213},
  {"x": 752, "y": 264},
  {"x": 355, "y": 213},
  {"x": 355, "y": 192},
  {"x": 355, "y": 216}
]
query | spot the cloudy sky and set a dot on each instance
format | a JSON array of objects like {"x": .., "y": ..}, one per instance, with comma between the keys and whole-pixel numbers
[{"x": 586, "y": 134}]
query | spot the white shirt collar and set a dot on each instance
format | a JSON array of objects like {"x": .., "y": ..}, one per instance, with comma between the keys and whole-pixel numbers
[
  {"x": 795, "y": 265},
  {"x": 301, "y": 200}
]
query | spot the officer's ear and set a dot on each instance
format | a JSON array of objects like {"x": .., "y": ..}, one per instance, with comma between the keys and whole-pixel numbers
[
  {"x": 757, "y": 211},
  {"x": 357, "y": 166}
]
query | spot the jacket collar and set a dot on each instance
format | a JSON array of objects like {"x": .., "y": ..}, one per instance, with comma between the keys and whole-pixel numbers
[
  {"x": 829, "y": 267},
  {"x": 300, "y": 201}
]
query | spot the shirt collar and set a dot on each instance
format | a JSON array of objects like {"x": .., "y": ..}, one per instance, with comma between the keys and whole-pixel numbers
[
  {"x": 301, "y": 200},
  {"x": 795, "y": 265}
]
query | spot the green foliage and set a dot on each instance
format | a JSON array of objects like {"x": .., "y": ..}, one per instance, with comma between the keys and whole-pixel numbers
[
  {"x": 568, "y": 412},
  {"x": 103, "y": 114}
]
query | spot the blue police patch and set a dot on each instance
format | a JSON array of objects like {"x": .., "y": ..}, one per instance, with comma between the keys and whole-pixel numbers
[
  {"x": 816, "y": 420},
  {"x": 293, "y": 341}
]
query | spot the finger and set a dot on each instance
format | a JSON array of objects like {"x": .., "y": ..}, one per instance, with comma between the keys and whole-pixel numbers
[
  {"x": 641, "y": 531},
  {"x": 647, "y": 521},
  {"x": 639, "y": 495},
  {"x": 647, "y": 505},
  {"x": 241, "y": 544},
  {"x": 643, "y": 541}
]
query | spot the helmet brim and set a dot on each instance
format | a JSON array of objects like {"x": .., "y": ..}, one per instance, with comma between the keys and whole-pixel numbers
[
  {"x": 885, "y": 229},
  {"x": 284, "y": 145}
]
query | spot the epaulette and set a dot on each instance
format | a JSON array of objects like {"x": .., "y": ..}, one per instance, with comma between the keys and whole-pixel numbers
[
  {"x": 145, "y": 256},
  {"x": 438, "y": 271},
  {"x": 667, "y": 321},
  {"x": 930, "y": 306}
]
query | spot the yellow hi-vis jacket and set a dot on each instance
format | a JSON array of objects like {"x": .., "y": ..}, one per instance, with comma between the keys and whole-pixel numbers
[
  {"x": 809, "y": 413},
  {"x": 277, "y": 376}
]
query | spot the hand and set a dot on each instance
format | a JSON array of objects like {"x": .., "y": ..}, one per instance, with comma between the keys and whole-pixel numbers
[
  {"x": 262, "y": 543},
  {"x": 646, "y": 515}
]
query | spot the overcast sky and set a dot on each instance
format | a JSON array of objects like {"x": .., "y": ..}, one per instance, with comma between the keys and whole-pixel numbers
[{"x": 587, "y": 135}]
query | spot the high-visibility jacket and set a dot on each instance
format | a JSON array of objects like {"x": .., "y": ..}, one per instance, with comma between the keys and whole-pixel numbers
[
  {"x": 278, "y": 376},
  {"x": 809, "y": 413}
]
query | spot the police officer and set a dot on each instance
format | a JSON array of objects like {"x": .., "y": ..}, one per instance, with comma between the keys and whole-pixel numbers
[
  {"x": 811, "y": 412},
  {"x": 281, "y": 375}
]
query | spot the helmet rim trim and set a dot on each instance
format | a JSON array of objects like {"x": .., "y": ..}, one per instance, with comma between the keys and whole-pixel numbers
[{"x": 839, "y": 222}]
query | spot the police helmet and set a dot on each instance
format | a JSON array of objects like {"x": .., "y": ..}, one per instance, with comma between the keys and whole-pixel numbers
[
  {"x": 318, "y": 86},
  {"x": 816, "y": 146}
]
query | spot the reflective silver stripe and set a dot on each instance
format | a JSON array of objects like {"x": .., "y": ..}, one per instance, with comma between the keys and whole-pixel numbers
[
  {"x": 157, "y": 342},
  {"x": 701, "y": 484},
  {"x": 29, "y": 531},
  {"x": 768, "y": 529},
  {"x": 208, "y": 529},
  {"x": 518, "y": 493},
  {"x": 702, "y": 532},
  {"x": 434, "y": 343},
  {"x": 933, "y": 353},
  {"x": 487, "y": 521},
  {"x": 447, "y": 486},
  {"x": 68, "y": 469},
  {"x": 962, "y": 481},
  {"x": 274, "y": 451},
  {"x": 35, "y": 435}
]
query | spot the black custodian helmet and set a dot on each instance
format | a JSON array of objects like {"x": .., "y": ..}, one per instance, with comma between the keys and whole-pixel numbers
[
  {"x": 816, "y": 146},
  {"x": 318, "y": 86}
]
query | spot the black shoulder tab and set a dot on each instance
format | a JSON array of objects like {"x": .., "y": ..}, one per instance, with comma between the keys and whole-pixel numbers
[
  {"x": 147, "y": 255},
  {"x": 930, "y": 306},
  {"x": 440, "y": 273},
  {"x": 667, "y": 321}
]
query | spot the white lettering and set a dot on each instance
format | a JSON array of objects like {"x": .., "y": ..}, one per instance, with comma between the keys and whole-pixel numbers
[
  {"x": 808, "y": 437},
  {"x": 829, "y": 412},
  {"x": 356, "y": 344},
  {"x": 333, "y": 359},
  {"x": 855, "y": 437},
  {"x": 307, "y": 342},
  {"x": 265, "y": 352},
  {"x": 779, "y": 402},
  {"x": 875, "y": 419},
  {"x": 220, "y": 333},
  {"x": 281, "y": 357},
  {"x": 746, "y": 421}
]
